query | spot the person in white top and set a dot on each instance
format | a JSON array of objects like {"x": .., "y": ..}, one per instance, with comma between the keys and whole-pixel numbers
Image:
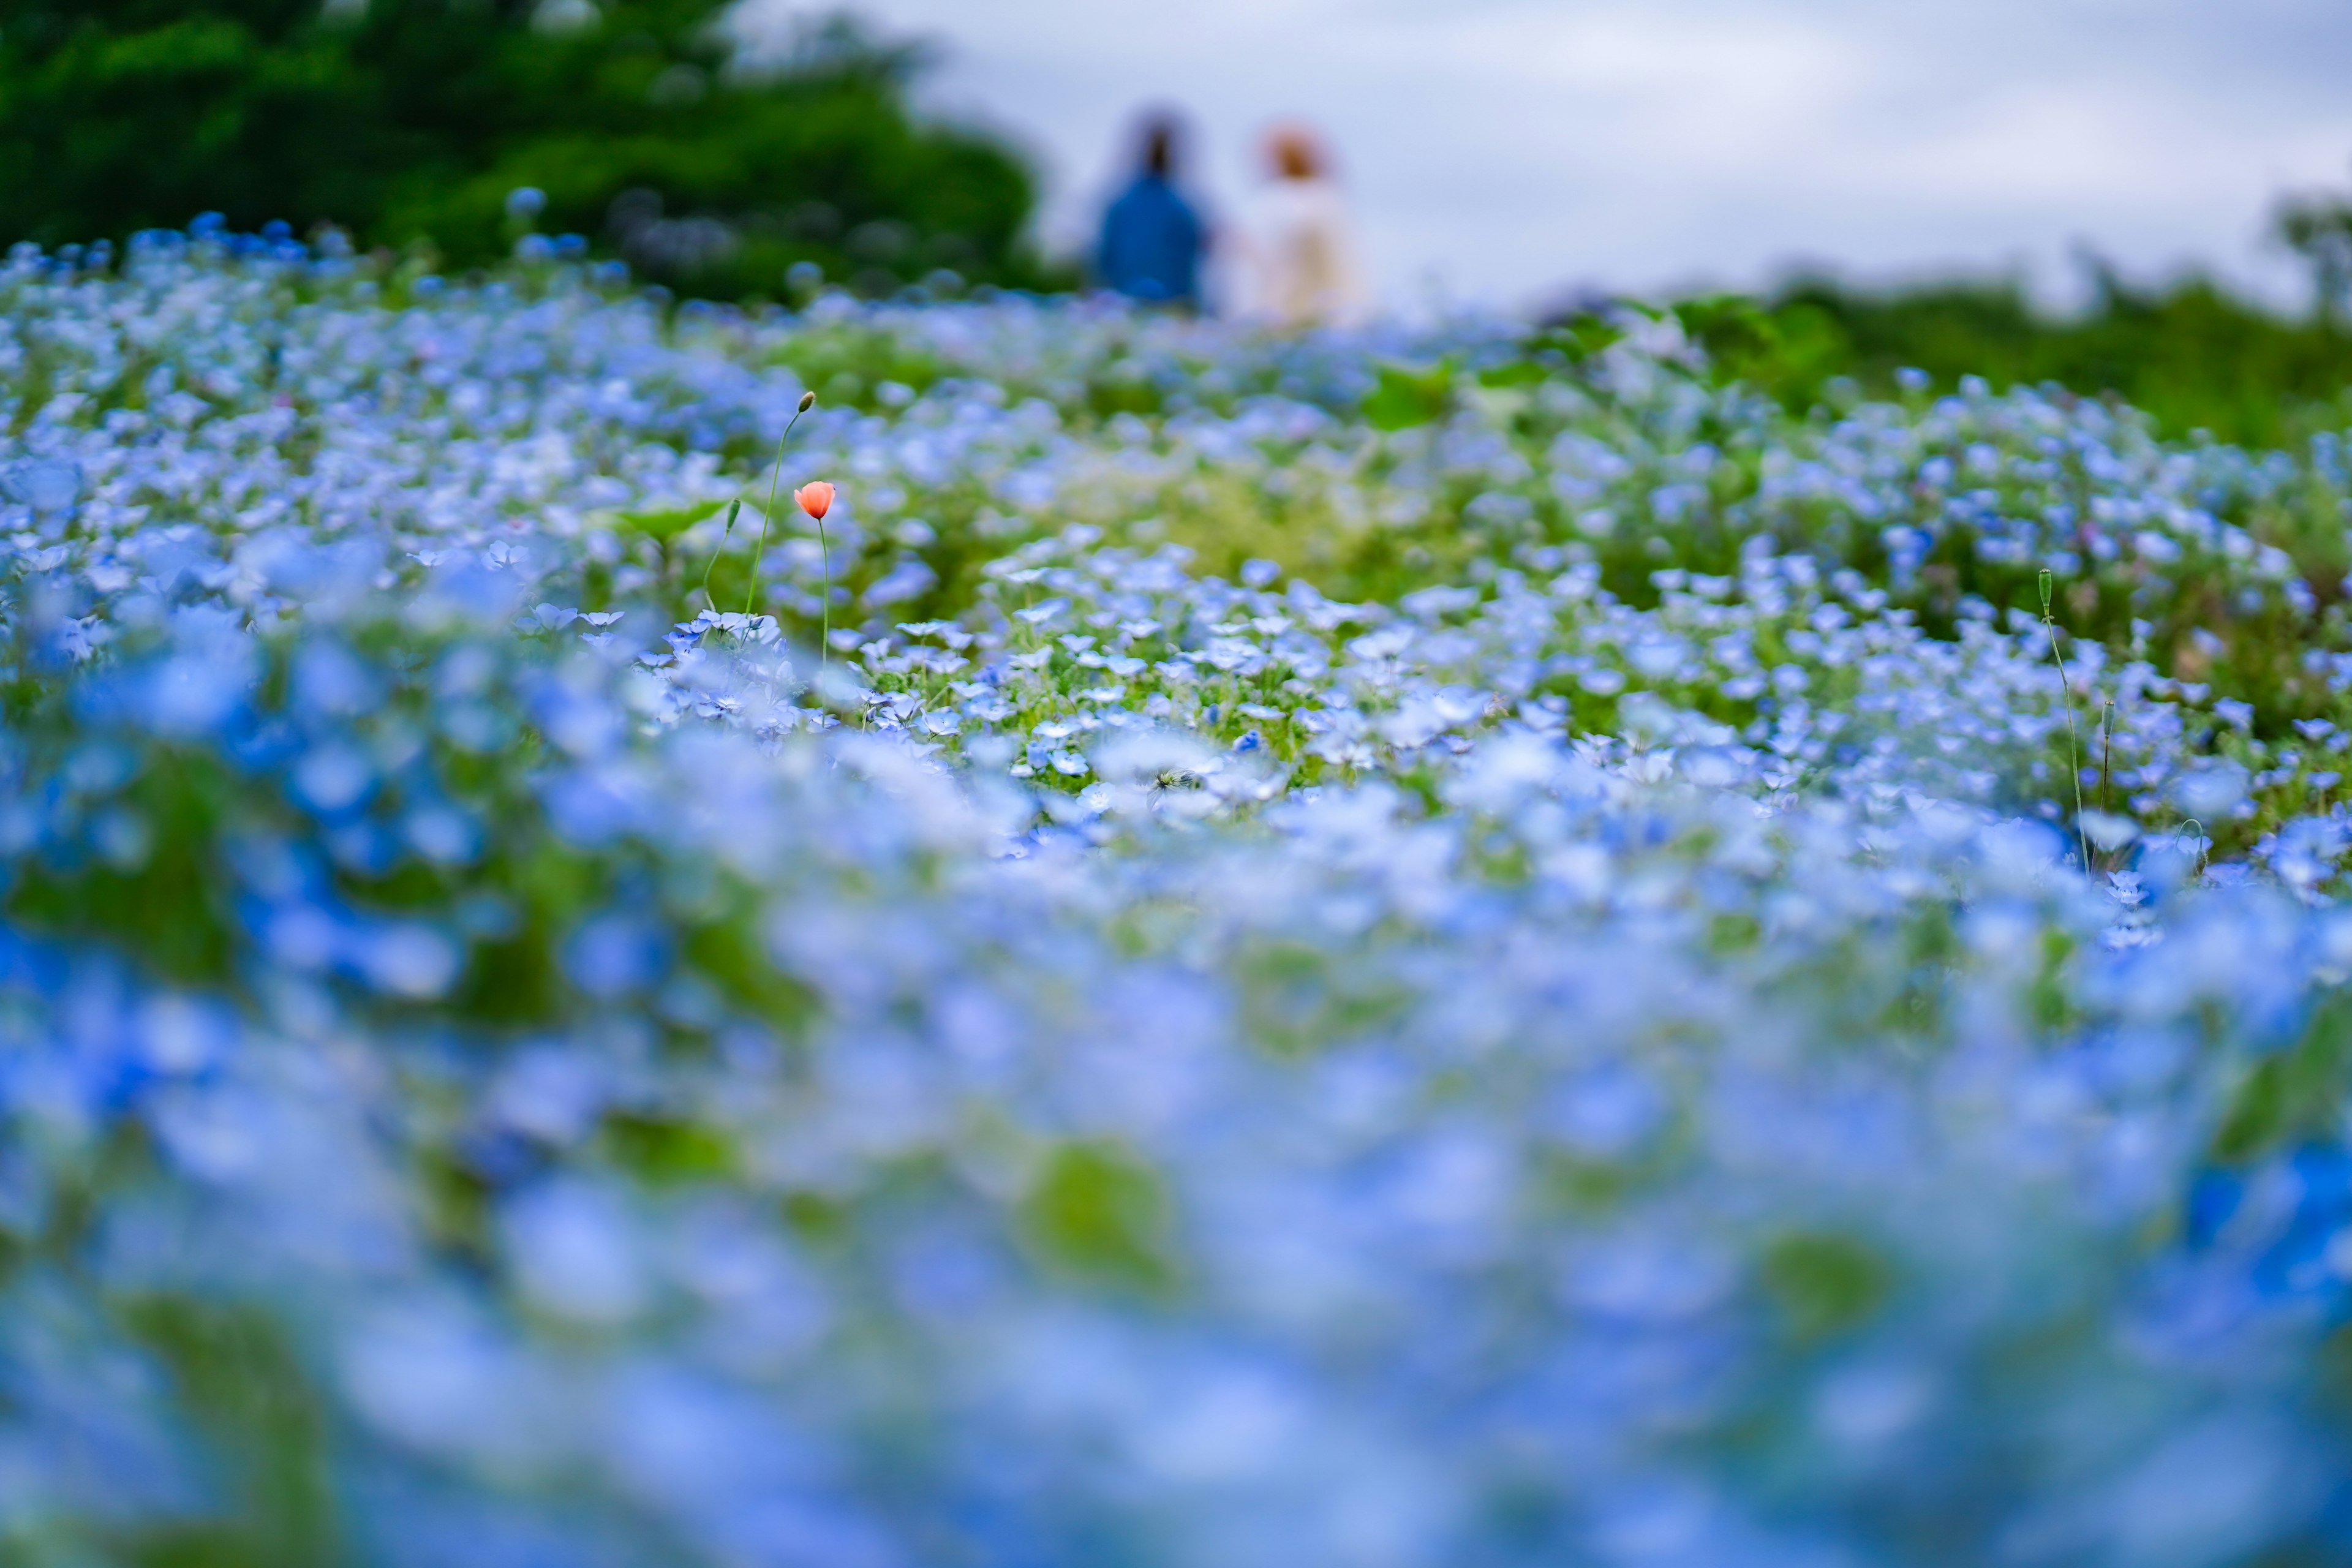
[{"x": 1303, "y": 250}]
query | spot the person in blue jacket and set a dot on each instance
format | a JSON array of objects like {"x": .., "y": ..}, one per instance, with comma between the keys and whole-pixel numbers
[{"x": 1151, "y": 237}]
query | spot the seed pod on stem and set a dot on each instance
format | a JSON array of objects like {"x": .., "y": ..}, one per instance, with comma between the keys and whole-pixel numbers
[{"x": 775, "y": 477}]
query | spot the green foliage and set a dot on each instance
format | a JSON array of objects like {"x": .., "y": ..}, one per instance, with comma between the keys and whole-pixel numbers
[
  {"x": 2319, "y": 230},
  {"x": 663, "y": 1151},
  {"x": 410, "y": 121},
  {"x": 2193, "y": 356},
  {"x": 2295, "y": 1094},
  {"x": 1407, "y": 395},
  {"x": 1824, "y": 1283},
  {"x": 233, "y": 1365},
  {"x": 1099, "y": 1213},
  {"x": 163, "y": 883},
  {"x": 2211, "y": 367},
  {"x": 1739, "y": 335},
  {"x": 665, "y": 524}
]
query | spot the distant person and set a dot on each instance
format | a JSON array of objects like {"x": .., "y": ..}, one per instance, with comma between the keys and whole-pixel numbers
[
  {"x": 1303, "y": 247},
  {"x": 1151, "y": 237}
]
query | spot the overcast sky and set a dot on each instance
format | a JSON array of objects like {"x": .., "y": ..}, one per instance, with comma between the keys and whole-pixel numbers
[{"x": 1506, "y": 150}]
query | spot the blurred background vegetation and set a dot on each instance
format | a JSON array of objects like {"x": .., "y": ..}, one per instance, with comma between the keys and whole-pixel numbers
[
  {"x": 2189, "y": 353},
  {"x": 409, "y": 121}
]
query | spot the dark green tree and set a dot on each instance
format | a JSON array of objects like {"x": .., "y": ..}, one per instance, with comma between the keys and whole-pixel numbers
[
  {"x": 2319, "y": 230},
  {"x": 410, "y": 121}
]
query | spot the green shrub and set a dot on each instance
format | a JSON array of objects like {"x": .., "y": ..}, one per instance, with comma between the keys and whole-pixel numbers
[
  {"x": 410, "y": 121},
  {"x": 2193, "y": 355}
]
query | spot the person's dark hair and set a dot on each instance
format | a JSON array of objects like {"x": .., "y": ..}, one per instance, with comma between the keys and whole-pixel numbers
[{"x": 1163, "y": 135}]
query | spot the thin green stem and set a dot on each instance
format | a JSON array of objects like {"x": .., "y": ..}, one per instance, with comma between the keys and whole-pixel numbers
[
  {"x": 733, "y": 509},
  {"x": 2106, "y": 748},
  {"x": 2186, "y": 823},
  {"x": 2074, "y": 753},
  {"x": 825, "y": 605},
  {"x": 775, "y": 476}
]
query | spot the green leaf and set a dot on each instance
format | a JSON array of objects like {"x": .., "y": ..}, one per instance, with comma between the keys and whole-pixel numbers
[
  {"x": 1514, "y": 372},
  {"x": 1407, "y": 396},
  {"x": 1578, "y": 338},
  {"x": 1742, "y": 341},
  {"x": 1825, "y": 1283},
  {"x": 1100, "y": 1213},
  {"x": 668, "y": 523},
  {"x": 236, "y": 1375},
  {"x": 666, "y": 1153},
  {"x": 2295, "y": 1094}
]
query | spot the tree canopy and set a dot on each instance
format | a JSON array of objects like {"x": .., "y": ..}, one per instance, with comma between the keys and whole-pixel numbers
[{"x": 408, "y": 121}]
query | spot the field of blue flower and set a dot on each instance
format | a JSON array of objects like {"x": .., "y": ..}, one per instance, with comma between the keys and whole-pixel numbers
[{"x": 1427, "y": 947}]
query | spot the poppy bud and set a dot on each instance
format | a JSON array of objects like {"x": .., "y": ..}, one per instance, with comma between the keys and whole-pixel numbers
[
  {"x": 815, "y": 499},
  {"x": 808, "y": 400}
]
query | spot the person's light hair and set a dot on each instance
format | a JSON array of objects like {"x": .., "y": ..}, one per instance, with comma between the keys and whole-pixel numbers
[{"x": 1297, "y": 152}]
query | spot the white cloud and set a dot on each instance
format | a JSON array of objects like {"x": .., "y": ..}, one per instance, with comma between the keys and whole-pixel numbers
[{"x": 1511, "y": 146}]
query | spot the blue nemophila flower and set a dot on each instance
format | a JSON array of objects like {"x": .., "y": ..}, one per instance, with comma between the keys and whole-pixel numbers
[
  {"x": 42, "y": 486},
  {"x": 1574, "y": 1016}
]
